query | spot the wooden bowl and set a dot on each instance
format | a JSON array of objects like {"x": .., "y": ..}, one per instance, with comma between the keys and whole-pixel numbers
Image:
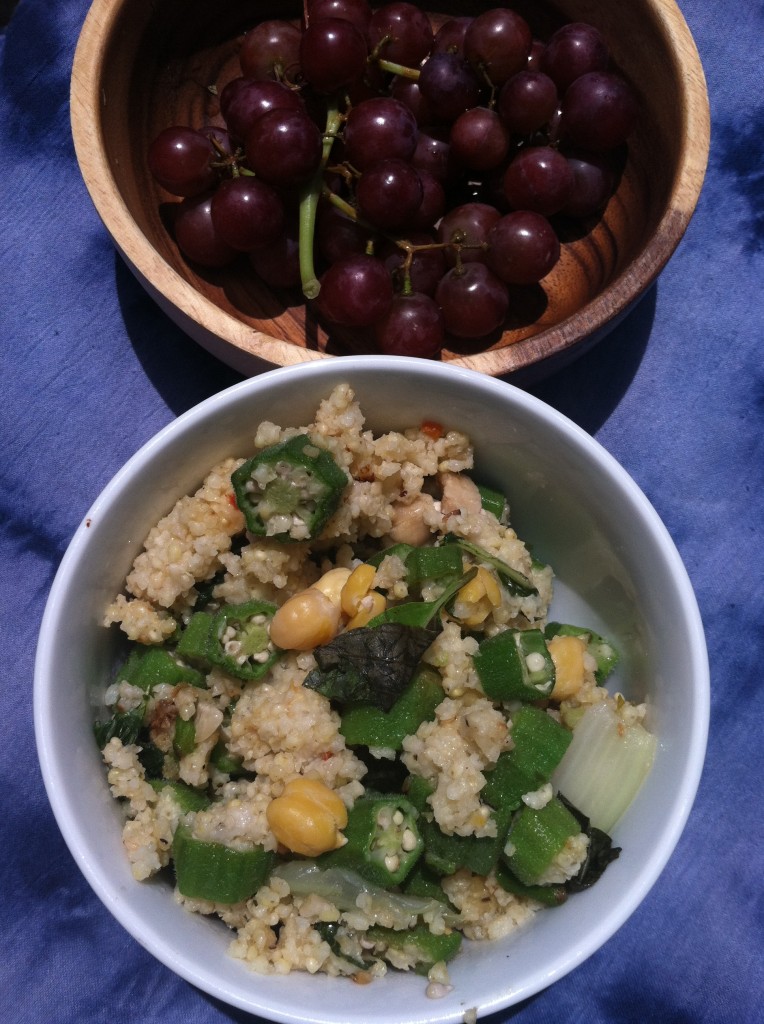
[{"x": 141, "y": 67}]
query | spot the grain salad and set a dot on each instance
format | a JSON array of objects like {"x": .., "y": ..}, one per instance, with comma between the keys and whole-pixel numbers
[{"x": 345, "y": 723}]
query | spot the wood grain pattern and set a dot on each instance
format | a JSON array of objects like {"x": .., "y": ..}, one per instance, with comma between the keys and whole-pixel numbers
[{"x": 140, "y": 67}]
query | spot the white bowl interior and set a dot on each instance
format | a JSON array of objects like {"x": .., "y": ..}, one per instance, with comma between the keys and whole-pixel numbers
[{"x": 617, "y": 571}]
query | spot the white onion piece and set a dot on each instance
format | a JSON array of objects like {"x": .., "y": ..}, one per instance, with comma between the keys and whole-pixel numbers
[{"x": 605, "y": 765}]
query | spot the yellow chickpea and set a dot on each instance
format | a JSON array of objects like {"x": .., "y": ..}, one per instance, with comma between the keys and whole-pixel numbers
[
  {"x": 307, "y": 620},
  {"x": 568, "y": 656},
  {"x": 308, "y": 817}
]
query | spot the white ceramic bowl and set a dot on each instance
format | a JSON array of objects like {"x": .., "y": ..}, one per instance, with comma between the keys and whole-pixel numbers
[{"x": 617, "y": 571}]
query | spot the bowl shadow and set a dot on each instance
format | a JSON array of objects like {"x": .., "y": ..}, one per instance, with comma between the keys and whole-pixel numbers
[{"x": 587, "y": 389}]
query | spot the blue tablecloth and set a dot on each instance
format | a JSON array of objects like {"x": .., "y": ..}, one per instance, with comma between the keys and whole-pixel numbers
[{"x": 91, "y": 369}]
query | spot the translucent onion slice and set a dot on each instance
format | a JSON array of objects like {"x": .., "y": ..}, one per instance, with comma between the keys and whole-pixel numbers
[{"x": 605, "y": 765}]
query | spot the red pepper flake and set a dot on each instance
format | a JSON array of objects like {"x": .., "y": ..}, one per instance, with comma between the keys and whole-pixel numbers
[
  {"x": 232, "y": 499},
  {"x": 327, "y": 755},
  {"x": 432, "y": 429}
]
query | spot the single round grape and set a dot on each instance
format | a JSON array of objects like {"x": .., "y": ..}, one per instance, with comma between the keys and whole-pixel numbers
[
  {"x": 338, "y": 235},
  {"x": 389, "y": 193},
  {"x": 450, "y": 35},
  {"x": 473, "y": 300},
  {"x": 468, "y": 225},
  {"x": 522, "y": 247},
  {"x": 428, "y": 262},
  {"x": 593, "y": 184},
  {"x": 271, "y": 50},
  {"x": 572, "y": 51},
  {"x": 527, "y": 101},
  {"x": 247, "y": 213},
  {"x": 284, "y": 147},
  {"x": 358, "y": 12},
  {"x": 196, "y": 235},
  {"x": 478, "y": 139},
  {"x": 412, "y": 326},
  {"x": 378, "y": 129},
  {"x": 449, "y": 85},
  {"x": 180, "y": 159},
  {"x": 599, "y": 111},
  {"x": 243, "y": 100},
  {"x": 278, "y": 263},
  {"x": 332, "y": 54},
  {"x": 498, "y": 43},
  {"x": 355, "y": 291},
  {"x": 539, "y": 178},
  {"x": 536, "y": 55},
  {"x": 401, "y": 33}
]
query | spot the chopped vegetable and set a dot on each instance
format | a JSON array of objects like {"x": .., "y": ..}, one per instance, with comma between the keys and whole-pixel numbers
[
  {"x": 213, "y": 871},
  {"x": 536, "y": 836},
  {"x": 515, "y": 665},
  {"x": 290, "y": 490},
  {"x": 605, "y": 765},
  {"x": 368, "y": 725},
  {"x": 418, "y": 943},
  {"x": 601, "y": 649}
]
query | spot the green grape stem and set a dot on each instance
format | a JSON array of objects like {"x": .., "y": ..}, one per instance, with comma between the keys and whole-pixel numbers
[{"x": 309, "y": 205}]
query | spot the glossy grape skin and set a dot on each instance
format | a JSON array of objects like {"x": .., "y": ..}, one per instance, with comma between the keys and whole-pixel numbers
[
  {"x": 469, "y": 225},
  {"x": 196, "y": 235},
  {"x": 574, "y": 50},
  {"x": 412, "y": 326},
  {"x": 244, "y": 100},
  {"x": 284, "y": 147},
  {"x": 180, "y": 160},
  {"x": 498, "y": 42},
  {"x": 247, "y": 213},
  {"x": 539, "y": 178},
  {"x": 522, "y": 248},
  {"x": 389, "y": 193},
  {"x": 449, "y": 85},
  {"x": 479, "y": 139},
  {"x": 355, "y": 291},
  {"x": 593, "y": 184},
  {"x": 271, "y": 50},
  {"x": 332, "y": 54},
  {"x": 433, "y": 154},
  {"x": 473, "y": 300},
  {"x": 378, "y": 129},
  {"x": 409, "y": 31},
  {"x": 407, "y": 91},
  {"x": 358, "y": 12},
  {"x": 599, "y": 111},
  {"x": 527, "y": 101}
]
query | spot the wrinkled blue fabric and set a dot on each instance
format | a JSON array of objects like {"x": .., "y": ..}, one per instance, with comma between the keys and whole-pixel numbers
[{"x": 90, "y": 369}]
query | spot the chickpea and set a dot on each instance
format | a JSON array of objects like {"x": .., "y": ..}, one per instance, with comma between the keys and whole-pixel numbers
[{"x": 307, "y": 817}]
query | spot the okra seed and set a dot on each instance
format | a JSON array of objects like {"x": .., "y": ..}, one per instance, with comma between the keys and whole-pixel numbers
[
  {"x": 535, "y": 661},
  {"x": 398, "y": 818},
  {"x": 392, "y": 862},
  {"x": 408, "y": 840}
]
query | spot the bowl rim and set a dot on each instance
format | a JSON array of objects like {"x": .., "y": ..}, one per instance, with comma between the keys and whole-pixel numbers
[
  {"x": 79, "y": 839},
  {"x": 215, "y": 329}
]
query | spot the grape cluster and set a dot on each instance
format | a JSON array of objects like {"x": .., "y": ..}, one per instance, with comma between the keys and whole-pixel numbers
[{"x": 407, "y": 179}]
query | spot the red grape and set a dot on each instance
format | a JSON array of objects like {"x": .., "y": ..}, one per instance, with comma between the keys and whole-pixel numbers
[
  {"x": 356, "y": 11},
  {"x": 243, "y": 100},
  {"x": 378, "y": 129},
  {"x": 498, "y": 43},
  {"x": 599, "y": 111},
  {"x": 332, "y": 54},
  {"x": 401, "y": 33},
  {"x": 592, "y": 186},
  {"x": 527, "y": 101},
  {"x": 180, "y": 159},
  {"x": 450, "y": 35},
  {"x": 389, "y": 193},
  {"x": 428, "y": 262},
  {"x": 412, "y": 326},
  {"x": 356, "y": 291},
  {"x": 468, "y": 225},
  {"x": 247, "y": 213},
  {"x": 196, "y": 235},
  {"x": 449, "y": 85},
  {"x": 284, "y": 147},
  {"x": 479, "y": 140},
  {"x": 522, "y": 247},
  {"x": 473, "y": 300},
  {"x": 539, "y": 178},
  {"x": 271, "y": 50},
  {"x": 278, "y": 263},
  {"x": 572, "y": 51}
]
